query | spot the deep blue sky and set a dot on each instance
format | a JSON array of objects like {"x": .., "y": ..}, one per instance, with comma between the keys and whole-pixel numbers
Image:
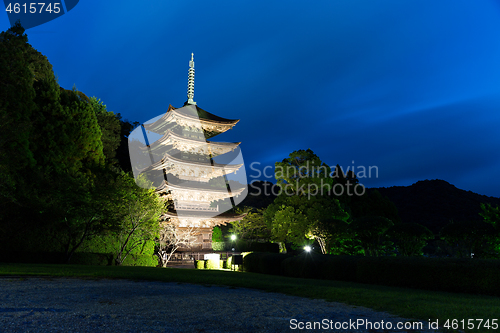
[{"x": 412, "y": 87}]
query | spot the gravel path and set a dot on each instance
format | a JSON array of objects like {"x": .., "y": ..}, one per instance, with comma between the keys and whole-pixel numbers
[{"x": 78, "y": 305}]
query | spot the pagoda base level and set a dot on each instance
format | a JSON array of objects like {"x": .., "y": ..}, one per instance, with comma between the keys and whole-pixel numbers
[
  {"x": 188, "y": 257},
  {"x": 202, "y": 241}
]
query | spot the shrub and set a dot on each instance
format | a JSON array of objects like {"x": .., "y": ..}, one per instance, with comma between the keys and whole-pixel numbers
[
  {"x": 199, "y": 264},
  {"x": 212, "y": 264},
  {"x": 140, "y": 260},
  {"x": 251, "y": 262},
  {"x": 217, "y": 235}
]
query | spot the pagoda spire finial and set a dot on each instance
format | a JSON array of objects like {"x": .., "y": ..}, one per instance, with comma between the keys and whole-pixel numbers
[{"x": 190, "y": 92}]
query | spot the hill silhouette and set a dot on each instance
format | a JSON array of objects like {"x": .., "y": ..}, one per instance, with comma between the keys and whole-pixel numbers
[
  {"x": 434, "y": 203},
  {"x": 431, "y": 203}
]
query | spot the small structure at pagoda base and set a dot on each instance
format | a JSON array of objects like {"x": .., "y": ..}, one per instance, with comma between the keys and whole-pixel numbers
[{"x": 180, "y": 164}]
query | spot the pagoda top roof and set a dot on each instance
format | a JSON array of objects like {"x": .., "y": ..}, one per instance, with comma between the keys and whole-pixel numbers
[
  {"x": 191, "y": 115},
  {"x": 202, "y": 114}
]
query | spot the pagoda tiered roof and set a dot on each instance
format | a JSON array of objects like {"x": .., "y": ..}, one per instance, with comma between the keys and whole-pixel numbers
[
  {"x": 195, "y": 187},
  {"x": 200, "y": 219},
  {"x": 196, "y": 197},
  {"x": 193, "y": 116},
  {"x": 192, "y": 170},
  {"x": 192, "y": 145}
]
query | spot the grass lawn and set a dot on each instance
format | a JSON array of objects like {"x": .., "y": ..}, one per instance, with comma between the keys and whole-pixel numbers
[{"x": 409, "y": 303}]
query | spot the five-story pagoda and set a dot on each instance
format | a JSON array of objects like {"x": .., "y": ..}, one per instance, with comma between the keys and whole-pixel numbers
[{"x": 181, "y": 165}]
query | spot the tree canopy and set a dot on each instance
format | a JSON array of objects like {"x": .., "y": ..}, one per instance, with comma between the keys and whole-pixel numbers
[
  {"x": 303, "y": 210},
  {"x": 61, "y": 185}
]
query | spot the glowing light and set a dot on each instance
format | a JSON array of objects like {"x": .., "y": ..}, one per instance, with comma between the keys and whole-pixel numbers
[
  {"x": 307, "y": 248},
  {"x": 233, "y": 237}
]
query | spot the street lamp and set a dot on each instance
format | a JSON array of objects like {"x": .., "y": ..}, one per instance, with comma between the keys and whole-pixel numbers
[
  {"x": 307, "y": 248},
  {"x": 233, "y": 238}
]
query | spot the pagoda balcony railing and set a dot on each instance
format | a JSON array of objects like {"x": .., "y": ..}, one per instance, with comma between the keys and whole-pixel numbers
[{"x": 198, "y": 209}]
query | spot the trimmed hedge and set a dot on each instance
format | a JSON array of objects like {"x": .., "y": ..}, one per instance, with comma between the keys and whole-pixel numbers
[
  {"x": 32, "y": 258},
  {"x": 441, "y": 274},
  {"x": 262, "y": 262},
  {"x": 305, "y": 265},
  {"x": 212, "y": 264},
  {"x": 251, "y": 262},
  {"x": 209, "y": 264},
  {"x": 199, "y": 264},
  {"x": 444, "y": 274},
  {"x": 78, "y": 258},
  {"x": 341, "y": 268}
]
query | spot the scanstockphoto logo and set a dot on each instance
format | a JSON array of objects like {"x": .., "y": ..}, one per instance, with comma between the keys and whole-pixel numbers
[
  {"x": 171, "y": 154},
  {"x": 34, "y": 13}
]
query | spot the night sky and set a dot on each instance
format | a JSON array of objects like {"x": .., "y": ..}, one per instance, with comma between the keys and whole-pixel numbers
[{"x": 409, "y": 86}]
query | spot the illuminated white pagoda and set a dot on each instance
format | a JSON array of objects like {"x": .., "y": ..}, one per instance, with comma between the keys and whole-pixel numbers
[{"x": 183, "y": 169}]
